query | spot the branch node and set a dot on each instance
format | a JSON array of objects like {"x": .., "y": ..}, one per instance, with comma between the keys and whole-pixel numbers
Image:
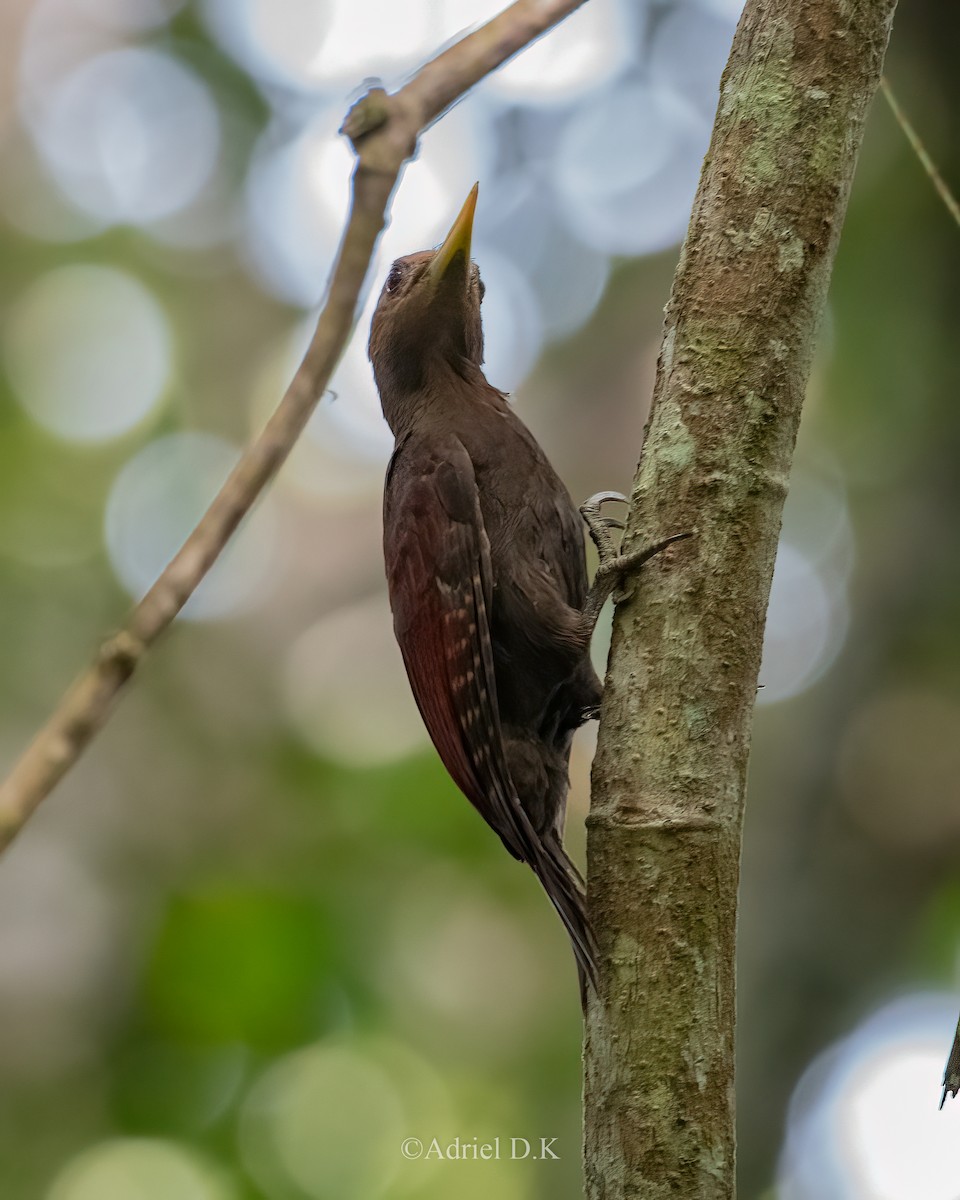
[
  {"x": 121, "y": 653},
  {"x": 371, "y": 112}
]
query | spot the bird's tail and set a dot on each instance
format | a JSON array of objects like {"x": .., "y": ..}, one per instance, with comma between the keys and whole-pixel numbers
[{"x": 562, "y": 883}]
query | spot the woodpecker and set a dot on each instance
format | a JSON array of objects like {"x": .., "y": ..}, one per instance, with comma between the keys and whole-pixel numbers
[{"x": 486, "y": 569}]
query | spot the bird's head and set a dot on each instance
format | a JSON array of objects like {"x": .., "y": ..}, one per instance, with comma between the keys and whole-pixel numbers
[{"x": 428, "y": 314}]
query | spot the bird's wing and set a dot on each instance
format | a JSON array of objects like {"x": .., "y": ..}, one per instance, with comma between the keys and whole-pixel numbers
[
  {"x": 440, "y": 582},
  {"x": 441, "y": 589}
]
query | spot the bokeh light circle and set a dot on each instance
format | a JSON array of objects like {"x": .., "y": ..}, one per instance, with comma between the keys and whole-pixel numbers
[
  {"x": 582, "y": 53},
  {"x": 517, "y": 220},
  {"x": 634, "y": 203},
  {"x": 512, "y": 326},
  {"x": 339, "y": 459},
  {"x": 346, "y": 691},
  {"x": 444, "y": 936},
  {"x": 805, "y": 627},
  {"x": 155, "y": 502},
  {"x": 326, "y": 1119},
  {"x": 727, "y": 10},
  {"x": 296, "y": 192},
  {"x": 350, "y": 416},
  {"x": 689, "y": 50},
  {"x": 140, "y": 1169},
  {"x": 134, "y": 16},
  {"x": 315, "y": 46},
  {"x": 816, "y": 520},
  {"x": 31, "y": 202},
  {"x": 863, "y": 1121},
  {"x": 88, "y": 351},
  {"x": 130, "y": 135},
  {"x": 277, "y": 40},
  {"x": 569, "y": 282},
  {"x": 57, "y": 925}
]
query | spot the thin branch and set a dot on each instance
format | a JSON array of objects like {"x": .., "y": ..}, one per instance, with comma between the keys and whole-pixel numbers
[
  {"x": 384, "y": 130},
  {"x": 943, "y": 191}
]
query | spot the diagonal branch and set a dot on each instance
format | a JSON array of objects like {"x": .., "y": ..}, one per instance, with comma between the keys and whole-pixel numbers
[{"x": 384, "y": 130}]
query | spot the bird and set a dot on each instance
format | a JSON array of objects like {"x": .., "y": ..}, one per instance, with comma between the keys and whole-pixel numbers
[{"x": 486, "y": 571}]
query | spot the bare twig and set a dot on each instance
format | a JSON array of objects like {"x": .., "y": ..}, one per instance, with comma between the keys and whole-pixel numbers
[
  {"x": 383, "y": 129},
  {"x": 939, "y": 183}
]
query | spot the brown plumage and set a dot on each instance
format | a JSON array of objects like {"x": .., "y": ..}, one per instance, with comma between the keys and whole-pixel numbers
[{"x": 486, "y": 570}]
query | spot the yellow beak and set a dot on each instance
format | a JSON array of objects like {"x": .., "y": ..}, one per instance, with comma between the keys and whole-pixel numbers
[{"x": 457, "y": 241}]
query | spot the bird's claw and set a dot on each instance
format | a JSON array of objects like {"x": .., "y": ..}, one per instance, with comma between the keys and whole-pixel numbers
[
  {"x": 590, "y": 509},
  {"x": 600, "y": 498},
  {"x": 612, "y": 569},
  {"x": 598, "y": 525},
  {"x": 613, "y": 565}
]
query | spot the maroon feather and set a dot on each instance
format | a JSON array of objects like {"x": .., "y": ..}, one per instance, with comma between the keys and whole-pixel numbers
[{"x": 439, "y": 579}]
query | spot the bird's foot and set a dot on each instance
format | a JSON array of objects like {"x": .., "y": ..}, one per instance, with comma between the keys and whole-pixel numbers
[
  {"x": 599, "y": 526},
  {"x": 611, "y": 572}
]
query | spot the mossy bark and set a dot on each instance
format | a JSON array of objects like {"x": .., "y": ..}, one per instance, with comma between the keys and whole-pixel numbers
[{"x": 670, "y": 771}]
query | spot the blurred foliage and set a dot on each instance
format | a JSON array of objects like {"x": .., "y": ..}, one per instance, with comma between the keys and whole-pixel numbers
[{"x": 244, "y": 969}]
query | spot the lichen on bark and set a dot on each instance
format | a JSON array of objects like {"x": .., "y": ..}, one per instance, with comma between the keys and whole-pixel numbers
[{"x": 670, "y": 773}]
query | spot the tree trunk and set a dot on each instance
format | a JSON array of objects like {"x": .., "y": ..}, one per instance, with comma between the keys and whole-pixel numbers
[{"x": 670, "y": 772}]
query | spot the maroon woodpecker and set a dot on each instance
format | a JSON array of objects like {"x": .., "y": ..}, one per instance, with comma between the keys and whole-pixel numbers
[{"x": 486, "y": 569}]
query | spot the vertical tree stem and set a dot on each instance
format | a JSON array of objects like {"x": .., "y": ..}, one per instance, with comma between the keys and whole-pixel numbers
[{"x": 670, "y": 772}]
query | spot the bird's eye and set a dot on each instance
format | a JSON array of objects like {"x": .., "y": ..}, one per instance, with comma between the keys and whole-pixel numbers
[
  {"x": 483, "y": 290},
  {"x": 394, "y": 279}
]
